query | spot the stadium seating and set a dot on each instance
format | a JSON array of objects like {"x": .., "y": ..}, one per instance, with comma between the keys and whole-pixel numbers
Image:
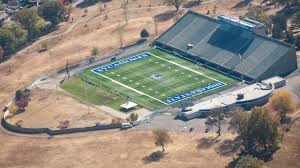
[{"x": 223, "y": 45}]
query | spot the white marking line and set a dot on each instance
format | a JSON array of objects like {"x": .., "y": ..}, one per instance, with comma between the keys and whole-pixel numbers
[
  {"x": 184, "y": 67},
  {"x": 130, "y": 88}
]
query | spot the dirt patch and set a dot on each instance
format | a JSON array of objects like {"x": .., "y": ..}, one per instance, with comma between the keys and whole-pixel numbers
[
  {"x": 53, "y": 109},
  {"x": 289, "y": 153},
  {"x": 106, "y": 149}
]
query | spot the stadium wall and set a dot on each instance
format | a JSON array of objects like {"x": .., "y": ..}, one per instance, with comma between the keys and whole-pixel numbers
[
  {"x": 21, "y": 130},
  {"x": 283, "y": 67}
]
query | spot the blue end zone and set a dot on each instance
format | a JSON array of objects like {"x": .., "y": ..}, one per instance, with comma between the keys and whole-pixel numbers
[
  {"x": 119, "y": 63},
  {"x": 192, "y": 93}
]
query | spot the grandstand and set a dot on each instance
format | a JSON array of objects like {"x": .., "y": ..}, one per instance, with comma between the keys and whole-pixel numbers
[{"x": 232, "y": 47}]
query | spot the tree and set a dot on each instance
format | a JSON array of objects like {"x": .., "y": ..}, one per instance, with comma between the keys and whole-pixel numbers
[
  {"x": 175, "y": 3},
  {"x": 239, "y": 120},
  {"x": 257, "y": 13},
  {"x": 216, "y": 118},
  {"x": 282, "y": 101},
  {"x": 18, "y": 95},
  {"x": 1, "y": 54},
  {"x": 162, "y": 138},
  {"x": 17, "y": 31},
  {"x": 30, "y": 21},
  {"x": 297, "y": 42},
  {"x": 52, "y": 11},
  {"x": 249, "y": 162},
  {"x": 94, "y": 51},
  {"x": 286, "y": 3},
  {"x": 133, "y": 116},
  {"x": 44, "y": 46},
  {"x": 296, "y": 18},
  {"x": 281, "y": 20},
  {"x": 261, "y": 136},
  {"x": 144, "y": 33},
  {"x": 7, "y": 41},
  {"x": 277, "y": 32},
  {"x": 290, "y": 38}
]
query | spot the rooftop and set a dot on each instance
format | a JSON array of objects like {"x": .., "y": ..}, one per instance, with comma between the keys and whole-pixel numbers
[{"x": 250, "y": 92}]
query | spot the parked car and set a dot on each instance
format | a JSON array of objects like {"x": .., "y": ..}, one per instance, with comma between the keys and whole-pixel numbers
[{"x": 126, "y": 125}]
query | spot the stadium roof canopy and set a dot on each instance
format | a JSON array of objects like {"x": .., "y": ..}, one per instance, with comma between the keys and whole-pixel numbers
[{"x": 227, "y": 48}]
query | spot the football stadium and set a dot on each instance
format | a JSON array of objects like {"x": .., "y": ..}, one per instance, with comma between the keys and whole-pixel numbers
[
  {"x": 156, "y": 78},
  {"x": 196, "y": 57}
]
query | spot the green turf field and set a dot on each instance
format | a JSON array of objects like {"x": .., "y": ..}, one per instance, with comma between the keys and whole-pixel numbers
[{"x": 152, "y": 80}]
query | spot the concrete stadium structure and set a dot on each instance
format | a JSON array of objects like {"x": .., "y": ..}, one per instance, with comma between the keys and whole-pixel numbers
[
  {"x": 229, "y": 46},
  {"x": 253, "y": 95}
]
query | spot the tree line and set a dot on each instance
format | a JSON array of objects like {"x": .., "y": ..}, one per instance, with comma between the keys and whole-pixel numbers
[
  {"x": 27, "y": 25},
  {"x": 259, "y": 130},
  {"x": 277, "y": 25}
]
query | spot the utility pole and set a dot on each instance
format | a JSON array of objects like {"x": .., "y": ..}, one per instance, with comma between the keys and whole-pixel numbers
[
  {"x": 120, "y": 35},
  {"x": 242, "y": 76},
  {"x": 155, "y": 26},
  {"x": 125, "y": 10},
  {"x": 67, "y": 70}
]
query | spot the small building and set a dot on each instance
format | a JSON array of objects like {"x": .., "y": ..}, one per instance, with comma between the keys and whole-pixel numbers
[
  {"x": 128, "y": 106},
  {"x": 276, "y": 81}
]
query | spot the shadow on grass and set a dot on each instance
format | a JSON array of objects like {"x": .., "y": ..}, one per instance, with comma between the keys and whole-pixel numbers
[
  {"x": 191, "y": 4},
  {"x": 207, "y": 142},
  {"x": 165, "y": 16},
  {"x": 154, "y": 157},
  {"x": 241, "y": 4},
  {"x": 87, "y": 3},
  {"x": 229, "y": 146}
]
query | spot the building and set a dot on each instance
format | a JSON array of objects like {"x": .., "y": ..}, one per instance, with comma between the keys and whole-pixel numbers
[
  {"x": 253, "y": 95},
  {"x": 232, "y": 47}
]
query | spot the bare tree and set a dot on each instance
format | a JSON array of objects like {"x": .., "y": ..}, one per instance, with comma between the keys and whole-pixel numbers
[
  {"x": 155, "y": 26},
  {"x": 216, "y": 118},
  {"x": 175, "y": 3},
  {"x": 162, "y": 138},
  {"x": 125, "y": 10},
  {"x": 119, "y": 29},
  {"x": 1, "y": 53}
]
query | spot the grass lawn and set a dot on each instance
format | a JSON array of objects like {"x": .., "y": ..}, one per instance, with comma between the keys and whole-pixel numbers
[
  {"x": 93, "y": 94},
  {"x": 150, "y": 82}
]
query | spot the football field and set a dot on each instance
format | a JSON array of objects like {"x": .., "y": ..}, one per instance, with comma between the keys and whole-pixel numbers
[{"x": 155, "y": 78}]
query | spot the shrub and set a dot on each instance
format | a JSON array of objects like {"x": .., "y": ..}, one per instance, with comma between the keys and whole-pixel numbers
[{"x": 144, "y": 33}]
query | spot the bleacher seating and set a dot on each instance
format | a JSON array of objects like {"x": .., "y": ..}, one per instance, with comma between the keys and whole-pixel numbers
[{"x": 231, "y": 48}]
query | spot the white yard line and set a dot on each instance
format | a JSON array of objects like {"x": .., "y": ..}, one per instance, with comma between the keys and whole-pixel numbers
[
  {"x": 184, "y": 67},
  {"x": 142, "y": 93},
  {"x": 130, "y": 88}
]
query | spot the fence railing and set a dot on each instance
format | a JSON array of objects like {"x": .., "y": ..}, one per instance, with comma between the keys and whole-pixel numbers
[{"x": 50, "y": 132}]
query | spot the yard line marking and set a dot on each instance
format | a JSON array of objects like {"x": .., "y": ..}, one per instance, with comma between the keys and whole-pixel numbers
[
  {"x": 184, "y": 67},
  {"x": 130, "y": 88}
]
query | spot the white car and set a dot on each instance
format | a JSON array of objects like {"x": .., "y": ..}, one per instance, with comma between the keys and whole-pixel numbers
[{"x": 126, "y": 126}]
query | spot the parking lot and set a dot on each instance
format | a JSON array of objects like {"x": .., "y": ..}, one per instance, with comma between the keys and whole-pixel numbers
[{"x": 167, "y": 121}]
